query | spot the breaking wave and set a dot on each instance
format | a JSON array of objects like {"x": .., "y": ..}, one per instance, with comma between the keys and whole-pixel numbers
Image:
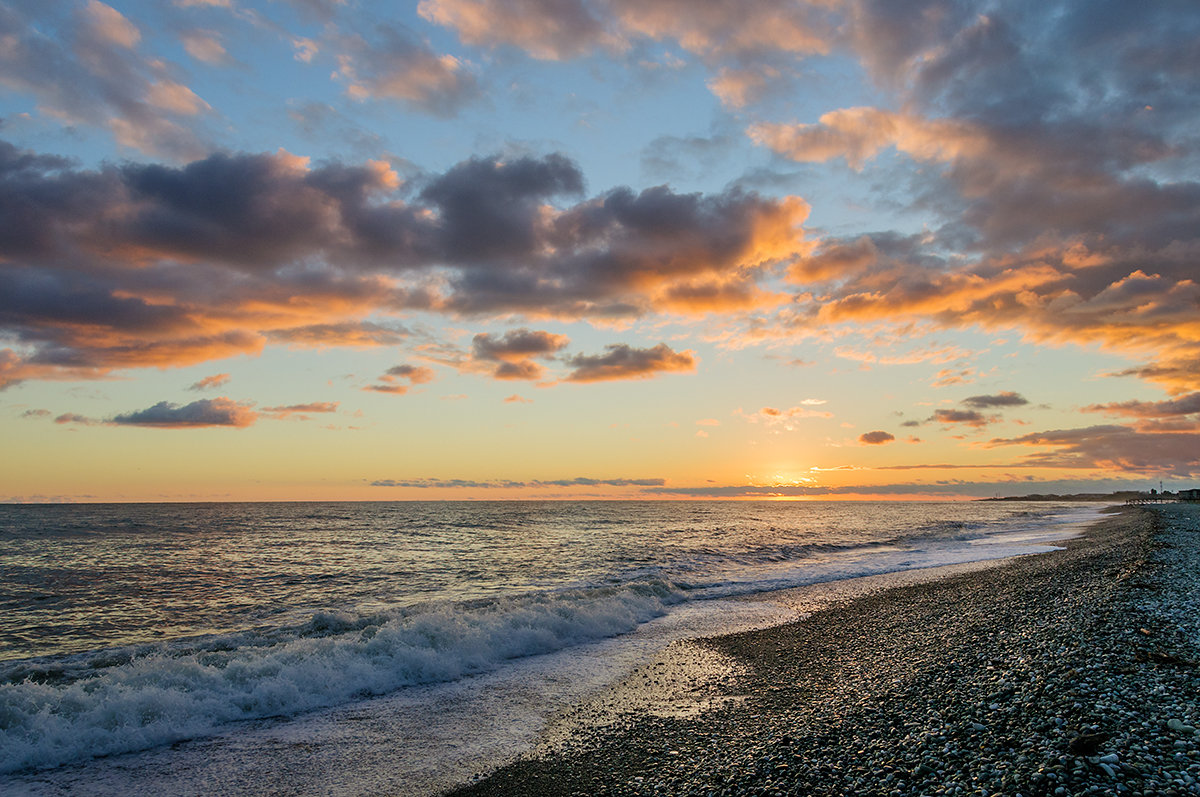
[{"x": 115, "y": 702}]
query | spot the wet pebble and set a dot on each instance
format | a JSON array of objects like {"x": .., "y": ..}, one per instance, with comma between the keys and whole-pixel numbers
[{"x": 1071, "y": 673}]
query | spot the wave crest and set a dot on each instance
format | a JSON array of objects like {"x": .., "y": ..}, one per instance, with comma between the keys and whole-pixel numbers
[{"x": 163, "y": 697}]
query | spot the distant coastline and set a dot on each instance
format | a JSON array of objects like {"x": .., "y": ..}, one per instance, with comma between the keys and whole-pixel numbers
[{"x": 1117, "y": 497}]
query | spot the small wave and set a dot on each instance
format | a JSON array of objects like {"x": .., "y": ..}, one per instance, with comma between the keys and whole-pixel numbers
[{"x": 163, "y": 697}]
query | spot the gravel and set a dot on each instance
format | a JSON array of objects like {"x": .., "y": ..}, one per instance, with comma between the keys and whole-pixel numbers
[{"x": 1069, "y": 673}]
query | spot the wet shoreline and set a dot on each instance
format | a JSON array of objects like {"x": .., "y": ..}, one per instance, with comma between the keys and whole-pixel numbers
[{"x": 1063, "y": 673}]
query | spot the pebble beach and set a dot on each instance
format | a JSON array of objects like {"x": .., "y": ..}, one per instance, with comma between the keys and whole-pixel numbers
[{"x": 1067, "y": 673}]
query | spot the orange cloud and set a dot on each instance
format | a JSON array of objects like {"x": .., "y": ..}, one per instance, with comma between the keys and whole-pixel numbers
[
  {"x": 785, "y": 418},
  {"x": 175, "y": 97},
  {"x": 205, "y": 45},
  {"x": 550, "y": 30},
  {"x": 746, "y": 42},
  {"x": 561, "y": 29},
  {"x": 858, "y": 134},
  {"x": 934, "y": 353},
  {"x": 736, "y": 88},
  {"x": 726, "y": 27},
  {"x": 300, "y": 411},
  {"x": 108, "y": 24},
  {"x": 71, "y": 417},
  {"x": 216, "y": 380},
  {"x": 835, "y": 260},
  {"x": 390, "y": 381},
  {"x": 357, "y": 334},
  {"x": 948, "y": 376},
  {"x": 1070, "y": 294}
]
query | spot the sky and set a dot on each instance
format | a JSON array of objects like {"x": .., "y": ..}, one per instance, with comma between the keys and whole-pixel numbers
[{"x": 571, "y": 249}]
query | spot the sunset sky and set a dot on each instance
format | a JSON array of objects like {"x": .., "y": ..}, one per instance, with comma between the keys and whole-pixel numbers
[{"x": 486, "y": 249}]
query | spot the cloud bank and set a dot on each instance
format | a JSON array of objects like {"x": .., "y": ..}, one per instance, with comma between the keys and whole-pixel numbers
[{"x": 147, "y": 265}]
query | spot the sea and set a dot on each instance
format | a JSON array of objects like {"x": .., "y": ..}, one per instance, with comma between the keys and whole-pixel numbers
[{"x": 397, "y": 648}]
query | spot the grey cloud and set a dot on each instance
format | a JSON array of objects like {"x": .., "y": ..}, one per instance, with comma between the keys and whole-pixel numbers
[
  {"x": 399, "y": 65},
  {"x": 1113, "y": 447},
  {"x": 621, "y": 361},
  {"x": 607, "y": 246},
  {"x": 320, "y": 122},
  {"x": 518, "y": 343},
  {"x": 602, "y": 257},
  {"x": 673, "y": 157},
  {"x": 1085, "y": 119},
  {"x": 488, "y": 208},
  {"x": 888, "y": 36},
  {"x": 512, "y": 352},
  {"x": 445, "y": 483},
  {"x": 1184, "y": 405},
  {"x": 249, "y": 209},
  {"x": 32, "y": 298},
  {"x": 1006, "y": 63},
  {"x": 243, "y": 210},
  {"x": 414, "y": 373},
  {"x": 97, "y": 263},
  {"x": 323, "y": 10},
  {"x": 586, "y": 482},
  {"x": 876, "y": 438},
  {"x": 198, "y": 414},
  {"x": 79, "y": 72},
  {"x": 1057, "y": 145},
  {"x": 1005, "y": 398},
  {"x": 967, "y": 417},
  {"x": 268, "y": 211},
  {"x": 521, "y": 369}
]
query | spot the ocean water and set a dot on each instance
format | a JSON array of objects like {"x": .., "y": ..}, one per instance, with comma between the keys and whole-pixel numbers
[{"x": 394, "y": 647}]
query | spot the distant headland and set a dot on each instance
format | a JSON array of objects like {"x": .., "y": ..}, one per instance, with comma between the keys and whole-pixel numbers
[{"x": 1123, "y": 496}]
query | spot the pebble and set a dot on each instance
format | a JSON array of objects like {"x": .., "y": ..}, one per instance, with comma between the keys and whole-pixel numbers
[{"x": 979, "y": 688}]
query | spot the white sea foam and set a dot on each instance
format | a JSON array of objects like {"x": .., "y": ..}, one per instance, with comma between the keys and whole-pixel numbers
[{"x": 160, "y": 698}]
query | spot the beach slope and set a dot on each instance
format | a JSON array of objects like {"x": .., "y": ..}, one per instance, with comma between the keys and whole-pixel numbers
[{"x": 1063, "y": 673}]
